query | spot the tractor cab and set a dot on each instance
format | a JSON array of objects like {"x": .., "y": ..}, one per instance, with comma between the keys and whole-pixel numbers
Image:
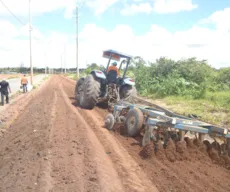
[
  {"x": 106, "y": 86},
  {"x": 113, "y": 79},
  {"x": 116, "y": 56}
]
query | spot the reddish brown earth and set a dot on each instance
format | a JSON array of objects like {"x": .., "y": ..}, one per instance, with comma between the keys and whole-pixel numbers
[
  {"x": 7, "y": 76},
  {"x": 50, "y": 144}
]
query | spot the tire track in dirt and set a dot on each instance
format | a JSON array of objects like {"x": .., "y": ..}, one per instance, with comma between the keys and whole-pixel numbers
[
  {"x": 95, "y": 158},
  {"x": 68, "y": 156},
  {"x": 132, "y": 176},
  {"x": 51, "y": 148},
  {"x": 198, "y": 173},
  {"x": 130, "y": 172},
  {"x": 24, "y": 147},
  {"x": 17, "y": 104}
]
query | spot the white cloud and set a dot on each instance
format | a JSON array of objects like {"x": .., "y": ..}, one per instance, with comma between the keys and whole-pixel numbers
[
  {"x": 198, "y": 41},
  {"x": 133, "y": 9},
  {"x": 220, "y": 19},
  {"x": 99, "y": 6},
  {"x": 20, "y": 8},
  {"x": 158, "y": 6},
  {"x": 173, "y": 6},
  {"x": 71, "y": 7},
  {"x": 7, "y": 29}
]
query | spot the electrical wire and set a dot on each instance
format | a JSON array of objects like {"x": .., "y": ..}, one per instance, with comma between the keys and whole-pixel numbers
[{"x": 12, "y": 13}]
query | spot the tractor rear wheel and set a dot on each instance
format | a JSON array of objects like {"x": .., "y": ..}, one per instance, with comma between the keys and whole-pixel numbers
[
  {"x": 134, "y": 122},
  {"x": 90, "y": 93}
]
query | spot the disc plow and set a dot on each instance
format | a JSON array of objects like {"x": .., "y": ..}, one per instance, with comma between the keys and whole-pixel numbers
[{"x": 159, "y": 126}]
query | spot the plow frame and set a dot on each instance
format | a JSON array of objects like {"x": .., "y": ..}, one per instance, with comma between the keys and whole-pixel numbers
[{"x": 155, "y": 118}]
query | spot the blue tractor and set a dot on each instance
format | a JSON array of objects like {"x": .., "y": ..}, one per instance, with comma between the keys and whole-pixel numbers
[{"x": 106, "y": 87}]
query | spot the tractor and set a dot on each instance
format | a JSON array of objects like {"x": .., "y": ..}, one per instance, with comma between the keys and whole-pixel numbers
[{"x": 103, "y": 86}]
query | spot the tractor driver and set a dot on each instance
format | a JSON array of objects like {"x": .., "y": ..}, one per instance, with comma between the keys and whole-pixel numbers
[
  {"x": 113, "y": 67},
  {"x": 112, "y": 73}
]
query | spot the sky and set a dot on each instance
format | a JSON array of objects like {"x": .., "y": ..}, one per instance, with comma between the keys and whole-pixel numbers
[{"x": 148, "y": 28}]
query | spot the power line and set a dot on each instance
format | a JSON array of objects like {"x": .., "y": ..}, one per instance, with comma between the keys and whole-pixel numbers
[{"x": 11, "y": 12}]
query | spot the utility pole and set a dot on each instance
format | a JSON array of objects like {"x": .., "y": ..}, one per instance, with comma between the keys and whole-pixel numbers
[
  {"x": 65, "y": 57},
  {"x": 31, "y": 64},
  {"x": 45, "y": 64},
  {"x": 61, "y": 64},
  {"x": 77, "y": 41}
]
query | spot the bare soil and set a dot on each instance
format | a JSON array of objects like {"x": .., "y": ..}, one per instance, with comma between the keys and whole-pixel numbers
[
  {"x": 7, "y": 76},
  {"x": 53, "y": 145}
]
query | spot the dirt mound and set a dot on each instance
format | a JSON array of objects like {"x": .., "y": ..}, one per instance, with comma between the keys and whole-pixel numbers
[
  {"x": 226, "y": 160},
  {"x": 189, "y": 142},
  {"x": 213, "y": 154},
  {"x": 181, "y": 148},
  {"x": 187, "y": 150},
  {"x": 170, "y": 151},
  {"x": 160, "y": 153},
  {"x": 201, "y": 146},
  {"x": 147, "y": 151}
]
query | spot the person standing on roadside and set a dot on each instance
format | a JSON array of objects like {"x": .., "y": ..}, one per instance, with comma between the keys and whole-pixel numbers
[
  {"x": 5, "y": 90},
  {"x": 24, "y": 83}
]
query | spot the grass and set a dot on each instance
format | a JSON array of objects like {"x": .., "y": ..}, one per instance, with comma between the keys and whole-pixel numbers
[
  {"x": 46, "y": 77},
  {"x": 13, "y": 77},
  {"x": 74, "y": 75},
  {"x": 71, "y": 76},
  {"x": 214, "y": 108}
]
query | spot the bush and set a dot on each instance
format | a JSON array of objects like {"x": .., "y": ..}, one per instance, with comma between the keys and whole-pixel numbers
[{"x": 187, "y": 77}]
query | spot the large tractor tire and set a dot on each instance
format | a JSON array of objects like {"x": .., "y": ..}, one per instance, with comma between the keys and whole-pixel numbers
[
  {"x": 91, "y": 91},
  {"x": 127, "y": 91},
  {"x": 79, "y": 89},
  {"x": 134, "y": 122}
]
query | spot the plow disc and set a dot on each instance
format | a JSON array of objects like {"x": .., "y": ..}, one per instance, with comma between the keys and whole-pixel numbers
[{"x": 109, "y": 121}]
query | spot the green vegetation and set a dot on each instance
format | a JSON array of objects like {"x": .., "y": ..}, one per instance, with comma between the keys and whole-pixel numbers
[
  {"x": 187, "y": 87},
  {"x": 46, "y": 77},
  {"x": 213, "y": 108},
  {"x": 72, "y": 75}
]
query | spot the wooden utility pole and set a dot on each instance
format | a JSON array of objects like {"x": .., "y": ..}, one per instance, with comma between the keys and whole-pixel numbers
[
  {"x": 77, "y": 42},
  {"x": 65, "y": 56},
  {"x": 31, "y": 64}
]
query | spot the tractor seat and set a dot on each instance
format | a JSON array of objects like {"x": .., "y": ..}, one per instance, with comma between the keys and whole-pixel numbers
[{"x": 112, "y": 77}]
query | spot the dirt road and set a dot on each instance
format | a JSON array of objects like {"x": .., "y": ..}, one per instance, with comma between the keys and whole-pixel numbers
[{"x": 55, "y": 146}]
